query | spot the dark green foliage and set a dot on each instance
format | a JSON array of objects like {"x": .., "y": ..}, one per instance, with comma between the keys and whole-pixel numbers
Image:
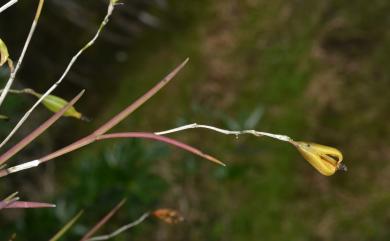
[{"x": 95, "y": 182}]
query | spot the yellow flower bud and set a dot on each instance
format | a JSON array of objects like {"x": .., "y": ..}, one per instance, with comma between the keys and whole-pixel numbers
[
  {"x": 327, "y": 160},
  {"x": 3, "y": 53}
]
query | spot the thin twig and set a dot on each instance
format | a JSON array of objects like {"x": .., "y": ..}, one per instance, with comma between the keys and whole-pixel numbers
[
  {"x": 117, "y": 118},
  {"x": 103, "y": 221},
  {"x": 121, "y": 229},
  {"x": 8, "y": 200},
  {"x": 140, "y": 101},
  {"x": 145, "y": 135},
  {"x": 7, "y": 5},
  {"x": 90, "y": 139},
  {"x": 38, "y": 131},
  {"x": 21, "y": 91},
  {"x": 142, "y": 135},
  {"x": 67, "y": 226},
  {"x": 227, "y": 132},
  {"x": 110, "y": 9},
  {"x": 6, "y": 204},
  {"x": 11, "y": 196},
  {"x": 104, "y": 128},
  {"x": 24, "y": 50}
]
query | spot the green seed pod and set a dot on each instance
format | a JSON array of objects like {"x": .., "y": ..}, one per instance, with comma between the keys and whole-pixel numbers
[
  {"x": 4, "y": 118},
  {"x": 3, "y": 53},
  {"x": 55, "y": 104},
  {"x": 327, "y": 160}
]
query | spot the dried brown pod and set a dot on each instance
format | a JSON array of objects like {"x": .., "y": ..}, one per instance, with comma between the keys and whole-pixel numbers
[{"x": 169, "y": 216}]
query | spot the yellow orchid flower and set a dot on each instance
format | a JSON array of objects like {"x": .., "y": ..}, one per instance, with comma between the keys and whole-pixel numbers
[{"x": 327, "y": 160}]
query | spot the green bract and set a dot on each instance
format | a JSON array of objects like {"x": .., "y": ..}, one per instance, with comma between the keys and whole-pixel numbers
[
  {"x": 3, "y": 53},
  {"x": 55, "y": 104}
]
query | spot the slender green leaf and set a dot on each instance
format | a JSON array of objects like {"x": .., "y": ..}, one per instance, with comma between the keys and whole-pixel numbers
[
  {"x": 67, "y": 226},
  {"x": 103, "y": 221}
]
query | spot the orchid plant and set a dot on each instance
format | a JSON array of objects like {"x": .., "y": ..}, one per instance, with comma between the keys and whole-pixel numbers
[{"x": 326, "y": 160}]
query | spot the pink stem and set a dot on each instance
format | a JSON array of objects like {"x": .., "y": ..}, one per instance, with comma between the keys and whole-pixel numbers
[
  {"x": 104, "y": 220},
  {"x": 117, "y": 118},
  {"x": 22, "y": 204},
  {"x": 34, "y": 134},
  {"x": 146, "y": 135}
]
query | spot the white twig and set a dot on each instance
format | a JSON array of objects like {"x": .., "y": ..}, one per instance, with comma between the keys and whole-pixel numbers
[
  {"x": 20, "y": 167},
  {"x": 7, "y": 5},
  {"x": 227, "y": 132},
  {"x": 23, "y": 166},
  {"x": 72, "y": 61},
  {"x": 24, "y": 50},
  {"x": 121, "y": 229}
]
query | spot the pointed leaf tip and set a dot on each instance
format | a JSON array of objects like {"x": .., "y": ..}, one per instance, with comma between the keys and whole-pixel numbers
[
  {"x": 103, "y": 220},
  {"x": 66, "y": 227}
]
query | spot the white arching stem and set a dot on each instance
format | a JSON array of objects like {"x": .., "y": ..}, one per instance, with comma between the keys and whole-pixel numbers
[
  {"x": 227, "y": 132},
  {"x": 7, "y": 5}
]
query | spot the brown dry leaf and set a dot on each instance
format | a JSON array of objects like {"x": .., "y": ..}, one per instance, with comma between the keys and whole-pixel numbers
[{"x": 169, "y": 216}]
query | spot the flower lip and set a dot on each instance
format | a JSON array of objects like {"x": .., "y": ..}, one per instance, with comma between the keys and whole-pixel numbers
[
  {"x": 342, "y": 167},
  {"x": 335, "y": 157}
]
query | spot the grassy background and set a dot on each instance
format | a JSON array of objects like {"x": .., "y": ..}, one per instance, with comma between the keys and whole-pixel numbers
[{"x": 316, "y": 71}]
